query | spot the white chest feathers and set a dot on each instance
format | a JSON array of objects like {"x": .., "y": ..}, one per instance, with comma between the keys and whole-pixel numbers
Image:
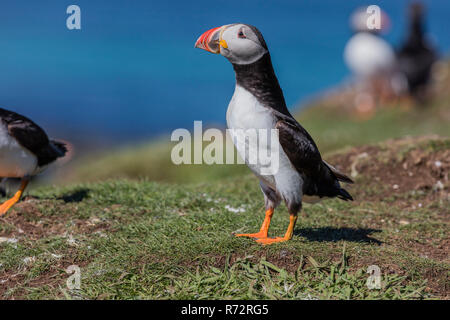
[
  {"x": 367, "y": 55},
  {"x": 15, "y": 160},
  {"x": 251, "y": 126},
  {"x": 245, "y": 112}
]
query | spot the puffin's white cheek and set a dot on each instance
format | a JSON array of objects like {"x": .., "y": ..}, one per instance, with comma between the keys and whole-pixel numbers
[{"x": 246, "y": 52}]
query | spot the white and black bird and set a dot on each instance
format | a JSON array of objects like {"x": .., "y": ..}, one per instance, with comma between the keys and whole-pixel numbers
[
  {"x": 258, "y": 103},
  {"x": 25, "y": 151},
  {"x": 366, "y": 53}
]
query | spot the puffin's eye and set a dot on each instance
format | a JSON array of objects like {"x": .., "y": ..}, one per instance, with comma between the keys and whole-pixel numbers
[{"x": 241, "y": 34}]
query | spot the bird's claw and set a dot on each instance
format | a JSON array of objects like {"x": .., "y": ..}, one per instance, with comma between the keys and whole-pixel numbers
[
  {"x": 266, "y": 240},
  {"x": 5, "y": 206},
  {"x": 259, "y": 235}
]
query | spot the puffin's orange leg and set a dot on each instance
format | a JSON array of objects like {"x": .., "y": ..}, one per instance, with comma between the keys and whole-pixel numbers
[
  {"x": 264, "y": 227},
  {"x": 287, "y": 236},
  {"x": 5, "y": 206}
]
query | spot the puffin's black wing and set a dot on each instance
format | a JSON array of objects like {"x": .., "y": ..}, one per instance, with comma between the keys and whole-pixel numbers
[
  {"x": 32, "y": 137},
  {"x": 298, "y": 145},
  {"x": 24, "y": 130},
  {"x": 320, "y": 179}
]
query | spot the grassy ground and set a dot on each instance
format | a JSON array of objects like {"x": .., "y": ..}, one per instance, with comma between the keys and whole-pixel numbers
[{"x": 142, "y": 239}]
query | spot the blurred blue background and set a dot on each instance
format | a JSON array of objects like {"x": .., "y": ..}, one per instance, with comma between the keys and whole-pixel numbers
[{"x": 132, "y": 72}]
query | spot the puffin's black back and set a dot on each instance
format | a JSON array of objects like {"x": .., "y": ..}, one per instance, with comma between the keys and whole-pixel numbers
[{"x": 32, "y": 137}]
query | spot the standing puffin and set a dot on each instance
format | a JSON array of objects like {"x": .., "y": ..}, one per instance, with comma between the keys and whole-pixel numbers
[
  {"x": 258, "y": 103},
  {"x": 371, "y": 59},
  {"x": 25, "y": 150}
]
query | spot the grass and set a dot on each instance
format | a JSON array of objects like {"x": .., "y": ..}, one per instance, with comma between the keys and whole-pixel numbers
[{"x": 149, "y": 240}]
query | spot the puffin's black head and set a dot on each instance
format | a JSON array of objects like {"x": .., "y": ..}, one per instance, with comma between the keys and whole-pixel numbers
[{"x": 240, "y": 43}]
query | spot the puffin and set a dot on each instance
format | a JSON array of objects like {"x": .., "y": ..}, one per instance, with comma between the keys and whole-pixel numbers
[
  {"x": 416, "y": 56},
  {"x": 25, "y": 151},
  {"x": 258, "y": 103},
  {"x": 366, "y": 53},
  {"x": 371, "y": 60}
]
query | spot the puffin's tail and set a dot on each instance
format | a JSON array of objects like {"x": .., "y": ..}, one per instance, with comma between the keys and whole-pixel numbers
[
  {"x": 339, "y": 175},
  {"x": 63, "y": 149},
  {"x": 341, "y": 192},
  {"x": 60, "y": 147},
  {"x": 344, "y": 195}
]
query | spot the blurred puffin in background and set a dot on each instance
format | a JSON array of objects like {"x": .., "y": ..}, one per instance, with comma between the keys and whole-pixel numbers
[
  {"x": 25, "y": 151},
  {"x": 258, "y": 103},
  {"x": 370, "y": 58},
  {"x": 416, "y": 56}
]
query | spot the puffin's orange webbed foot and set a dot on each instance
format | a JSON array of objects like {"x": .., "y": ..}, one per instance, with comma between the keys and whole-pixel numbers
[
  {"x": 287, "y": 236},
  {"x": 5, "y": 206},
  {"x": 264, "y": 228},
  {"x": 272, "y": 240},
  {"x": 259, "y": 235}
]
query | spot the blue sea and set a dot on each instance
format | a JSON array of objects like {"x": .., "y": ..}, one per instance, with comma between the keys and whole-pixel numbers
[{"x": 131, "y": 73}]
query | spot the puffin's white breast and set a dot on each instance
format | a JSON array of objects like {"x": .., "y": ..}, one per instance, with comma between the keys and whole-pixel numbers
[
  {"x": 15, "y": 160},
  {"x": 245, "y": 112}
]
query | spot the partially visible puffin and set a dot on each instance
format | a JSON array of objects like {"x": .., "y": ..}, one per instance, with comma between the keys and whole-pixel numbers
[
  {"x": 416, "y": 55},
  {"x": 371, "y": 59},
  {"x": 25, "y": 151},
  {"x": 258, "y": 103},
  {"x": 367, "y": 54}
]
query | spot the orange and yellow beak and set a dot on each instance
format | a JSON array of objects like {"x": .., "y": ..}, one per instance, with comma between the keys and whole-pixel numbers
[{"x": 211, "y": 40}]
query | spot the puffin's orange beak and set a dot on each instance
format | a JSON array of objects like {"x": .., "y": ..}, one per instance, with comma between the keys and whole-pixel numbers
[{"x": 211, "y": 40}]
